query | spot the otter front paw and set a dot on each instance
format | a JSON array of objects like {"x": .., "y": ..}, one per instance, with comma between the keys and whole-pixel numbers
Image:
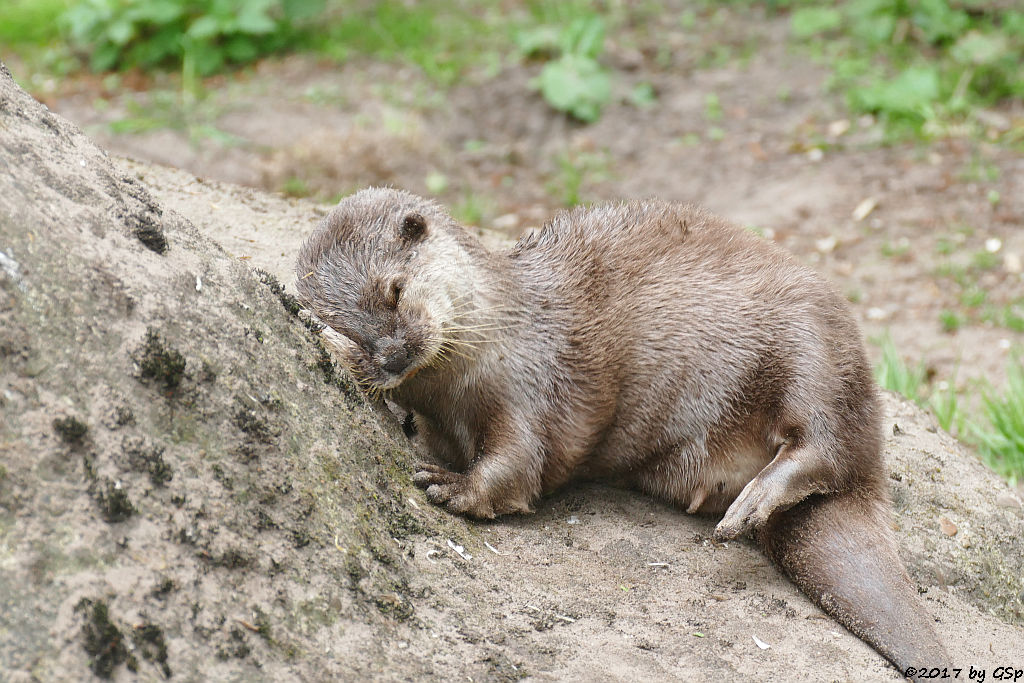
[{"x": 453, "y": 491}]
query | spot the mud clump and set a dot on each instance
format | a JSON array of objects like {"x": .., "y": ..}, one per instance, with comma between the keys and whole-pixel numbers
[
  {"x": 160, "y": 362},
  {"x": 102, "y": 639},
  {"x": 71, "y": 430}
]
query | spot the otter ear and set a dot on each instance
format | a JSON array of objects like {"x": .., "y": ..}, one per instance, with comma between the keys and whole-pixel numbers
[{"x": 414, "y": 227}]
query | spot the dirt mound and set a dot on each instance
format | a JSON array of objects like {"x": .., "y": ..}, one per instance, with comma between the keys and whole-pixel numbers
[{"x": 189, "y": 488}]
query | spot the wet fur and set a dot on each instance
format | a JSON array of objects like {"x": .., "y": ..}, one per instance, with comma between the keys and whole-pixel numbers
[{"x": 645, "y": 343}]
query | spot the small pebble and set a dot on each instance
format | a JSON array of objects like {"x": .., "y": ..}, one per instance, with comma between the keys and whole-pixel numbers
[
  {"x": 1005, "y": 500},
  {"x": 1012, "y": 263},
  {"x": 947, "y": 526}
]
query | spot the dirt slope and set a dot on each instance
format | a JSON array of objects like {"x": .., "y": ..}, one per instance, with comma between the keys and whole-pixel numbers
[{"x": 233, "y": 511}]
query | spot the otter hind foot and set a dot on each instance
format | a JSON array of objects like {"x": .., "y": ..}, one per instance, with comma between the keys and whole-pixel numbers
[
  {"x": 783, "y": 483},
  {"x": 452, "y": 491}
]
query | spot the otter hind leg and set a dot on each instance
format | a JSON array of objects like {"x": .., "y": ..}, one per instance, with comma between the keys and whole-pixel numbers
[
  {"x": 796, "y": 472},
  {"x": 839, "y": 550}
]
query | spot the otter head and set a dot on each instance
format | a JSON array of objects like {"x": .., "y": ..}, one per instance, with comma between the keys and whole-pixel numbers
[{"x": 382, "y": 271}]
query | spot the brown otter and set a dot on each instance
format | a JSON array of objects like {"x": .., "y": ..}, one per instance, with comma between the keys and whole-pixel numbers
[{"x": 646, "y": 343}]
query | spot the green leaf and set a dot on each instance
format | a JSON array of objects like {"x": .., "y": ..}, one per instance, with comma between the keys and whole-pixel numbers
[
  {"x": 298, "y": 10},
  {"x": 159, "y": 12},
  {"x": 241, "y": 48},
  {"x": 104, "y": 57},
  {"x": 253, "y": 19},
  {"x": 938, "y": 22},
  {"x": 120, "y": 32},
  {"x": 577, "y": 85},
  {"x": 905, "y": 94},
  {"x": 810, "y": 21},
  {"x": 584, "y": 37},
  {"x": 204, "y": 27},
  {"x": 539, "y": 40},
  {"x": 980, "y": 48}
]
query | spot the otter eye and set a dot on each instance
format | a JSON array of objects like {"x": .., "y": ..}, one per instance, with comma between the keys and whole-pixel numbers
[
  {"x": 413, "y": 226},
  {"x": 395, "y": 294}
]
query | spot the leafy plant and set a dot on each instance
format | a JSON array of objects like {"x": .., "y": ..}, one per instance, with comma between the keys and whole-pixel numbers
[
  {"x": 201, "y": 35},
  {"x": 919, "y": 65},
  {"x": 575, "y": 82},
  {"x": 30, "y": 22}
]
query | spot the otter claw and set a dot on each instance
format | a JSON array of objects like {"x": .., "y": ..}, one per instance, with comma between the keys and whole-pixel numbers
[
  {"x": 428, "y": 475},
  {"x": 451, "y": 491},
  {"x": 750, "y": 510}
]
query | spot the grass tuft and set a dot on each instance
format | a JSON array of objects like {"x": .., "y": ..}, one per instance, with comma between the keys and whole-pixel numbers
[{"x": 1002, "y": 440}]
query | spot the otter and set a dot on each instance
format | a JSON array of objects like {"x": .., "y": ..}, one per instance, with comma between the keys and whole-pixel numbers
[{"x": 644, "y": 343}]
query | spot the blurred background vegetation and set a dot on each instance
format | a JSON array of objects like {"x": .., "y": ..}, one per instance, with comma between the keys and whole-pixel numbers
[
  {"x": 920, "y": 71},
  {"x": 923, "y": 66}
]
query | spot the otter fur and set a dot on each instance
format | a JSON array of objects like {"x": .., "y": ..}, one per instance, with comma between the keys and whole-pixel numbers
[{"x": 644, "y": 343}]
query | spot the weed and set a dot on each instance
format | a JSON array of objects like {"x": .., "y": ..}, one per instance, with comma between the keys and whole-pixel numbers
[
  {"x": 1002, "y": 440},
  {"x": 712, "y": 107},
  {"x": 944, "y": 246},
  {"x": 897, "y": 250},
  {"x": 574, "y": 169},
  {"x": 642, "y": 96},
  {"x": 30, "y": 22},
  {"x": 895, "y": 374},
  {"x": 951, "y": 321},
  {"x": 979, "y": 170},
  {"x": 973, "y": 296},
  {"x": 432, "y": 35},
  {"x": 945, "y": 406},
  {"x": 921, "y": 67},
  {"x": 436, "y": 182},
  {"x": 295, "y": 187},
  {"x": 200, "y": 36},
  {"x": 472, "y": 209},
  {"x": 985, "y": 260},
  {"x": 1010, "y": 316},
  {"x": 574, "y": 82}
]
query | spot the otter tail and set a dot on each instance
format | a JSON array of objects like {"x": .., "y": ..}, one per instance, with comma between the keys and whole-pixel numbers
[{"x": 840, "y": 551}]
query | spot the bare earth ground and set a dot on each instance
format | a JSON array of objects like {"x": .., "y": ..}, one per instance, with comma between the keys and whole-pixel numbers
[{"x": 599, "y": 583}]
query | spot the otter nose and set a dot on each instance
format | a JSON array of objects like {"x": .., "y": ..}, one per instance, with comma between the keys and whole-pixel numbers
[{"x": 396, "y": 357}]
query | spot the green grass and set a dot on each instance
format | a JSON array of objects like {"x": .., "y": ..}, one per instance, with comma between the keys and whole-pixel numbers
[
  {"x": 575, "y": 171},
  {"x": 893, "y": 373},
  {"x": 1001, "y": 441},
  {"x": 31, "y": 23},
  {"x": 443, "y": 39},
  {"x": 997, "y": 432}
]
